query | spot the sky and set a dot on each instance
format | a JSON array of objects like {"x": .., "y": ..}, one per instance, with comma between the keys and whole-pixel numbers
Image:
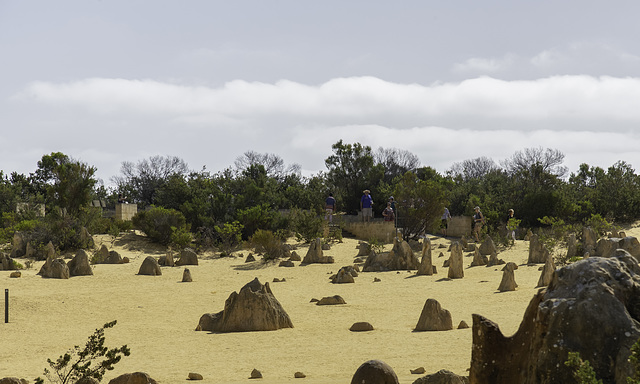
[{"x": 206, "y": 80}]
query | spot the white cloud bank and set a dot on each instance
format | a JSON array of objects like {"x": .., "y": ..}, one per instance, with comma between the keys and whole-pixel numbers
[{"x": 105, "y": 121}]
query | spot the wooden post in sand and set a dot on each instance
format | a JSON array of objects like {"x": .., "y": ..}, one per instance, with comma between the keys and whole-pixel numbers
[{"x": 6, "y": 305}]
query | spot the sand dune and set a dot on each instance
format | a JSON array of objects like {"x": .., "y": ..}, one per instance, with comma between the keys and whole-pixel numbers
[{"x": 157, "y": 317}]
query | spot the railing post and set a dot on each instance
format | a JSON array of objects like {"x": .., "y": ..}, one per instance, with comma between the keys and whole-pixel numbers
[{"x": 6, "y": 305}]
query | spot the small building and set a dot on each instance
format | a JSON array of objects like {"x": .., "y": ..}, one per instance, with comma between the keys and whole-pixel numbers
[{"x": 126, "y": 211}]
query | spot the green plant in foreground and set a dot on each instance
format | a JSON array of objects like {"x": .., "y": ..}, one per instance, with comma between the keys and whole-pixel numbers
[
  {"x": 376, "y": 246},
  {"x": 78, "y": 363},
  {"x": 584, "y": 374}
]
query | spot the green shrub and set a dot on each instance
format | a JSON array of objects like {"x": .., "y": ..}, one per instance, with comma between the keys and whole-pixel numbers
[
  {"x": 229, "y": 235},
  {"x": 257, "y": 217},
  {"x": 79, "y": 363},
  {"x": 306, "y": 225},
  {"x": 267, "y": 243},
  {"x": 599, "y": 224},
  {"x": 164, "y": 226},
  {"x": 582, "y": 371}
]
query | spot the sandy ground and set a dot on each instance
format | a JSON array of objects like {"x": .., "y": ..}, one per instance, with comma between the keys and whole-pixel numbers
[{"x": 157, "y": 316}]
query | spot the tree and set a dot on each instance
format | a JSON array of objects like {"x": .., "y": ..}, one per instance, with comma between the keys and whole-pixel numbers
[
  {"x": 351, "y": 170},
  {"x": 547, "y": 161},
  {"x": 272, "y": 163},
  {"x": 419, "y": 204},
  {"x": 396, "y": 162},
  {"x": 473, "y": 169},
  {"x": 67, "y": 183},
  {"x": 139, "y": 182}
]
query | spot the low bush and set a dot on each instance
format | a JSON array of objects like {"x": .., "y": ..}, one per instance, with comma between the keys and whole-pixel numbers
[
  {"x": 164, "y": 226},
  {"x": 306, "y": 225},
  {"x": 268, "y": 243}
]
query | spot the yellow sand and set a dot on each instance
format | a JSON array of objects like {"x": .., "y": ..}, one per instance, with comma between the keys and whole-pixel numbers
[{"x": 157, "y": 317}]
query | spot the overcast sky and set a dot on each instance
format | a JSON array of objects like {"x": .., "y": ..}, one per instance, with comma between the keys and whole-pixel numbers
[{"x": 109, "y": 81}]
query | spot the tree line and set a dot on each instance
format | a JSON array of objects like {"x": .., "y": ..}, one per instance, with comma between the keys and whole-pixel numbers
[{"x": 254, "y": 191}]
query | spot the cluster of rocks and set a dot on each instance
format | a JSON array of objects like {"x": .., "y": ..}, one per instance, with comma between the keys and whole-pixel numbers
[
  {"x": 105, "y": 256},
  {"x": 401, "y": 258},
  {"x": 345, "y": 275},
  {"x": 57, "y": 268},
  {"x": 379, "y": 372}
]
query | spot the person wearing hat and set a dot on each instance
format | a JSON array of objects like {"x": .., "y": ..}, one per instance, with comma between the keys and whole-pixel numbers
[
  {"x": 478, "y": 221},
  {"x": 366, "y": 205}
]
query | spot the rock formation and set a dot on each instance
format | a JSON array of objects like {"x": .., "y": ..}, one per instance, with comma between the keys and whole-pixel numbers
[
  {"x": 54, "y": 269},
  {"x": 607, "y": 247},
  {"x": 79, "y": 265},
  {"x": 374, "y": 372},
  {"x": 331, "y": 300},
  {"x": 345, "y": 275},
  {"x": 572, "y": 246},
  {"x": 7, "y": 263},
  {"x": 315, "y": 255},
  {"x": 364, "y": 249},
  {"x": 186, "y": 276},
  {"x": 443, "y": 376},
  {"x": 456, "y": 270},
  {"x": 104, "y": 256},
  {"x": 478, "y": 258},
  {"x": 167, "y": 260},
  {"x": 591, "y": 307},
  {"x": 434, "y": 318},
  {"x": 401, "y": 258},
  {"x": 508, "y": 282},
  {"x": 187, "y": 257},
  {"x": 426, "y": 264},
  {"x": 150, "y": 267},
  {"x": 133, "y": 378},
  {"x": 547, "y": 273},
  {"x": 361, "y": 326},
  {"x": 254, "y": 308},
  {"x": 538, "y": 253},
  {"x": 493, "y": 260},
  {"x": 487, "y": 246},
  {"x": 589, "y": 239}
]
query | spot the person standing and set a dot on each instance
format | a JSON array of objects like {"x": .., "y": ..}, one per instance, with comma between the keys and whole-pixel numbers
[
  {"x": 366, "y": 205},
  {"x": 330, "y": 207},
  {"x": 511, "y": 227},
  {"x": 388, "y": 213},
  {"x": 478, "y": 221},
  {"x": 444, "y": 221}
]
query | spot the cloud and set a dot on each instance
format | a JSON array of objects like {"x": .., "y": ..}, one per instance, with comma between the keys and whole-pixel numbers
[
  {"x": 479, "y": 65},
  {"x": 105, "y": 121}
]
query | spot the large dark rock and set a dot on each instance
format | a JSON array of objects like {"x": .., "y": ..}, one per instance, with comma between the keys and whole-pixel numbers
[
  {"x": 150, "y": 267},
  {"x": 79, "y": 265},
  {"x": 443, "y": 376},
  {"x": 591, "y": 307},
  {"x": 255, "y": 308},
  {"x": 18, "y": 245},
  {"x": 345, "y": 275},
  {"x": 374, "y": 372}
]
